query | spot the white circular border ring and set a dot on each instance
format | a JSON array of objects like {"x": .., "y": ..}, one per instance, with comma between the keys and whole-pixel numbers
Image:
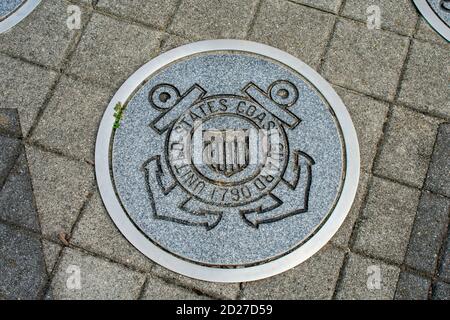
[
  {"x": 165, "y": 259},
  {"x": 432, "y": 18},
  {"x": 21, "y": 13}
]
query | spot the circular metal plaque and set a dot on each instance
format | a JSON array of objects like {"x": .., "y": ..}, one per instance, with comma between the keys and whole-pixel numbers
[
  {"x": 227, "y": 160},
  {"x": 437, "y": 13},
  {"x": 14, "y": 11}
]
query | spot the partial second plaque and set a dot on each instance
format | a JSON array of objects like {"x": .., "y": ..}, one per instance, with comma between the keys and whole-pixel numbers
[
  {"x": 14, "y": 11},
  {"x": 437, "y": 14},
  {"x": 227, "y": 160}
]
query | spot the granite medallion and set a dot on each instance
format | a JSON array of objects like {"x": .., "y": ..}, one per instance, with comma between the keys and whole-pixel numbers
[{"x": 227, "y": 160}]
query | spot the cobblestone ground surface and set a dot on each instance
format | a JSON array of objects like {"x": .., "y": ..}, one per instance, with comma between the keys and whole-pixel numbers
[{"x": 55, "y": 84}]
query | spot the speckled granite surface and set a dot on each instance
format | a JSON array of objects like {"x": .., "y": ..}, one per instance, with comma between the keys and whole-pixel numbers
[
  {"x": 442, "y": 9},
  {"x": 9, "y": 6},
  {"x": 317, "y": 135}
]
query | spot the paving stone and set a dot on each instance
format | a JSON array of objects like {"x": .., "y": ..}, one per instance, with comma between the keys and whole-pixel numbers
[
  {"x": 328, "y": 5},
  {"x": 360, "y": 279},
  {"x": 97, "y": 233},
  {"x": 425, "y": 82},
  {"x": 100, "y": 279},
  {"x": 444, "y": 271},
  {"x": 441, "y": 291},
  {"x": 398, "y": 16},
  {"x": 61, "y": 186},
  {"x": 313, "y": 279},
  {"x": 214, "y": 289},
  {"x": 386, "y": 222},
  {"x": 111, "y": 50},
  {"x": 427, "y": 33},
  {"x": 198, "y": 19},
  {"x": 438, "y": 177},
  {"x": 342, "y": 236},
  {"x": 23, "y": 87},
  {"x": 429, "y": 229},
  {"x": 368, "y": 61},
  {"x": 9, "y": 123},
  {"x": 22, "y": 269},
  {"x": 51, "y": 253},
  {"x": 8, "y": 156},
  {"x": 43, "y": 36},
  {"x": 16, "y": 197},
  {"x": 407, "y": 147},
  {"x": 277, "y": 19},
  {"x": 368, "y": 117},
  {"x": 412, "y": 287},
  {"x": 70, "y": 122},
  {"x": 158, "y": 289},
  {"x": 156, "y": 13}
]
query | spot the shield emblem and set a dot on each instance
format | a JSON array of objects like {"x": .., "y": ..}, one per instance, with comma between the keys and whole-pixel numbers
[{"x": 226, "y": 151}]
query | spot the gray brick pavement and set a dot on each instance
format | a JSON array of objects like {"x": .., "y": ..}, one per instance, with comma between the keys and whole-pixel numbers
[
  {"x": 61, "y": 187},
  {"x": 368, "y": 61},
  {"x": 105, "y": 54},
  {"x": 438, "y": 178},
  {"x": 157, "y": 289},
  {"x": 397, "y": 16},
  {"x": 99, "y": 279},
  {"x": 22, "y": 268},
  {"x": 43, "y": 37},
  {"x": 216, "y": 290},
  {"x": 412, "y": 287},
  {"x": 23, "y": 274},
  {"x": 429, "y": 230},
  {"x": 314, "y": 279},
  {"x": 96, "y": 233},
  {"x": 74, "y": 110},
  {"x": 24, "y": 87},
  {"x": 155, "y": 13},
  {"x": 407, "y": 147},
  {"x": 197, "y": 19},
  {"x": 356, "y": 283},
  {"x": 277, "y": 18},
  {"x": 424, "y": 86},
  {"x": 386, "y": 221},
  {"x": 392, "y": 81}
]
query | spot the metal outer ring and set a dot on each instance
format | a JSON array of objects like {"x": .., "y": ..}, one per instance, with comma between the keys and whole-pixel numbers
[
  {"x": 165, "y": 259},
  {"x": 17, "y": 16},
  {"x": 433, "y": 19}
]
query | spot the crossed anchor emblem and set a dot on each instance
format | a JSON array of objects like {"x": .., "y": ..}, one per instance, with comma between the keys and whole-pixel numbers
[{"x": 227, "y": 154}]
